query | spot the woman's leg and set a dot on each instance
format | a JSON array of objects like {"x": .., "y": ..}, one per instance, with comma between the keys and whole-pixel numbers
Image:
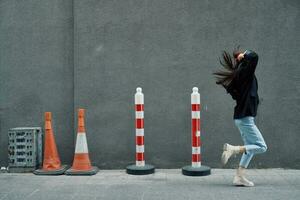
[{"x": 254, "y": 142}]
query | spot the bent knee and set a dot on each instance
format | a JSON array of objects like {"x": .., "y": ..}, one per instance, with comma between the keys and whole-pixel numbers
[{"x": 264, "y": 148}]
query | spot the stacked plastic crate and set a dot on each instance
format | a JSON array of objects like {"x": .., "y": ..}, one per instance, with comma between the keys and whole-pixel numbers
[{"x": 25, "y": 149}]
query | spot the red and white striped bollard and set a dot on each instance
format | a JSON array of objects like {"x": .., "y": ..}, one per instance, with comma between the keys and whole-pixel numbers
[
  {"x": 140, "y": 168},
  {"x": 196, "y": 169},
  {"x": 196, "y": 142},
  {"x": 139, "y": 127}
]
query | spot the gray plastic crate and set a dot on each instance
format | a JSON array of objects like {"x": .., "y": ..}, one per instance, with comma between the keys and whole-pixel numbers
[{"x": 25, "y": 149}]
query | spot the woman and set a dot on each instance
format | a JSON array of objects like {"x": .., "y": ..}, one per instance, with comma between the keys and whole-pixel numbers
[{"x": 239, "y": 80}]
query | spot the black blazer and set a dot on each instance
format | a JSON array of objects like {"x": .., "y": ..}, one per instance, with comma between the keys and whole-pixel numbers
[{"x": 245, "y": 86}]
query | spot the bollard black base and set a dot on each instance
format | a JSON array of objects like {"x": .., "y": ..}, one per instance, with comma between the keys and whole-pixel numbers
[
  {"x": 196, "y": 171},
  {"x": 136, "y": 170},
  {"x": 73, "y": 172},
  {"x": 59, "y": 171}
]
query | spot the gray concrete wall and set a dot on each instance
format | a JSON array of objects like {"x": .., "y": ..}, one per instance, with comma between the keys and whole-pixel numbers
[
  {"x": 36, "y": 69},
  {"x": 164, "y": 46}
]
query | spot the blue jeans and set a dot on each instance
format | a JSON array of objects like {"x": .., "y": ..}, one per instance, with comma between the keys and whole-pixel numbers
[{"x": 253, "y": 140}]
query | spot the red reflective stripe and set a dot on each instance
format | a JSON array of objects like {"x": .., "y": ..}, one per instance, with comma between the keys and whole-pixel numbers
[
  {"x": 196, "y": 107},
  {"x": 196, "y": 141},
  {"x": 195, "y": 125},
  {"x": 196, "y": 157},
  {"x": 139, "y": 140},
  {"x": 139, "y": 107},
  {"x": 140, "y": 156},
  {"x": 139, "y": 123}
]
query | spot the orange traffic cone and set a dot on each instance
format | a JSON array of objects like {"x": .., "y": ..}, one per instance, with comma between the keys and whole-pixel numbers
[
  {"x": 51, "y": 163},
  {"x": 81, "y": 164}
]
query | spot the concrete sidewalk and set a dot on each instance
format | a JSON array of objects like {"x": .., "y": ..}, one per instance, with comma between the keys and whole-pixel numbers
[{"x": 164, "y": 184}]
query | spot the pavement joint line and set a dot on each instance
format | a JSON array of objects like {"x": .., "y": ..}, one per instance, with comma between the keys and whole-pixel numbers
[
  {"x": 142, "y": 197},
  {"x": 33, "y": 192}
]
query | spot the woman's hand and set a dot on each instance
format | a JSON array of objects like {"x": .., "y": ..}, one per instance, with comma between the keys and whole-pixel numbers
[{"x": 240, "y": 56}]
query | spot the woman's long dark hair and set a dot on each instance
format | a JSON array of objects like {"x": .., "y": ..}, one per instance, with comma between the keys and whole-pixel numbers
[{"x": 230, "y": 65}]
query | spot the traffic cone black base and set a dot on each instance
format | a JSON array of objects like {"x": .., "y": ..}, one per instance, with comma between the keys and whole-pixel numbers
[
  {"x": 59, "y": 171},
  {"x": 91, "y": 172}
]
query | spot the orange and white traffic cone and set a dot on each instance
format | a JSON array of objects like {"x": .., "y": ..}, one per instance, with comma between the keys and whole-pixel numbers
[
  {"x": 51, "y": 163},
  {"x": 81, "y": 164}
]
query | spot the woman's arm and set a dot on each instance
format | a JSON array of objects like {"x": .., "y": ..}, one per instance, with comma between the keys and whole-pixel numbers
[{"x": 250, "y": 59}]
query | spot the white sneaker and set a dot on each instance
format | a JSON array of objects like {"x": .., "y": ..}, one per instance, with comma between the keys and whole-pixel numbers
[
  {"x": 228, "y": 151},
  {"x": 242, "y": 181}
]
